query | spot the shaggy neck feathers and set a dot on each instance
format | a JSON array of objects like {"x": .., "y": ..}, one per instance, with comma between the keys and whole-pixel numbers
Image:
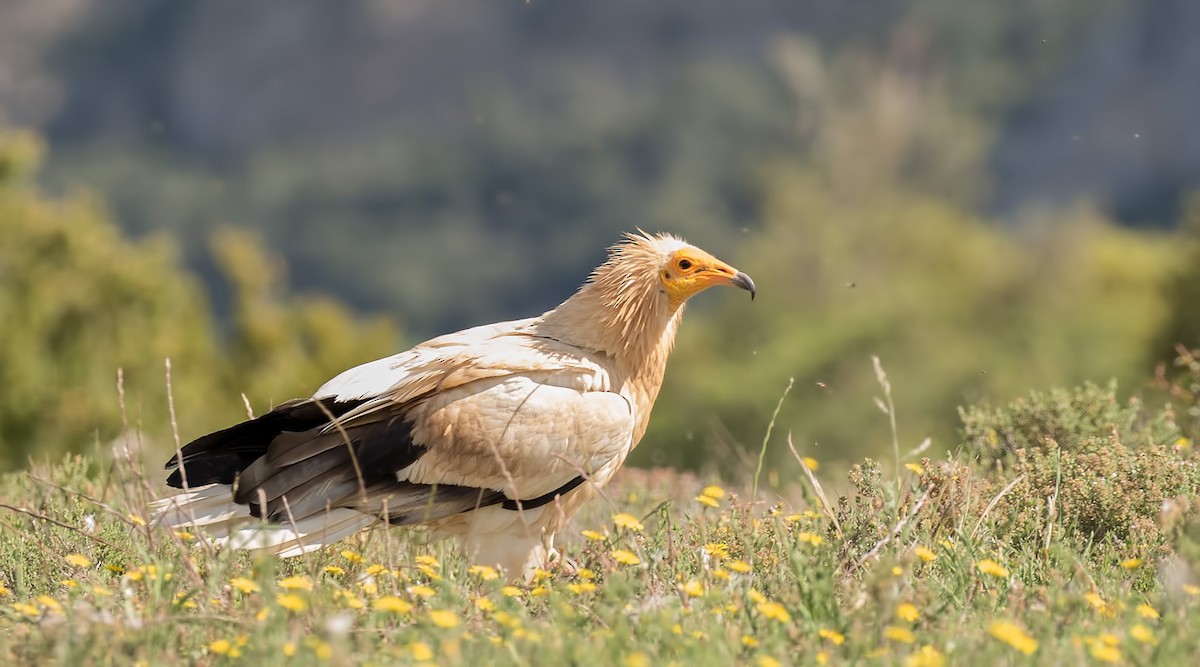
[{"x": 623, "y": 310}]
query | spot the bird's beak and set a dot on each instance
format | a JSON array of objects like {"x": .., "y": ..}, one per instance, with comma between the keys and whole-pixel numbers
[{"x": 745, "y": 282}]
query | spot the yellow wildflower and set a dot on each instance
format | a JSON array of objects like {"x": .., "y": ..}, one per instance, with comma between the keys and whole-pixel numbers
[
  {"x": 908, "y": 612},
  {"x": 991, "y": 567},
  {"x": 1146, "y": 611},
  {"x": 768, "y": 661},
  {"x": 1012, "y": 634},
  {"x": 221, "y": 646},
  {"x": 323, "y": 650},
  {"x": 430, "y": 561},
  {"x": 289, "y": 650},
  {"x": 832, "y": 635},
  {"x": 739, "y": 566},
  {"x": 822, "y": 658},
  {"x": 707, "y": 500},
  {"x": 26, "y": 608},
  {"x": 244, "y": 584},
  {"x": 1104, "y": 652},
  {"x": 812, "y": 463},
  {"x": 585, "y": 573},
  {"x": 926, "y": 554},
  {"x": 352, "y": 556},
  {"x": 757, "y": 597},
  {"x": 693, "y": 588},
  {"x": 420, "y": 651},
  {"x": 1131, "y": 563},
  {"x": 581, "y": 587},
  {"x": 135, "y": 519},
  {"x": 637, "y": 659},
  {"x": 897, "y": 634},
  {"x": 334, "y": 570},
  {"x": 625, "y": 557},
  {"x": 98, "y": 591},
  {"x": 928, "y": 656},
  {"x": 392, "y": 604},
  {"x": 485, "y": 572},
  {"x": 291, "y": 602},
  {"x": 592, "y": 535},
  {"x": 775, "y": 611},
  {"x": 627, "y": 521},
  {"x": 444, "y": 618},
  {"x": 811, "y": 538},
  {"x": 484, "y": 604},
  {"x": 897, "y": 570},
  {"x": 717, "y": 549},
  {"x": 1143, "y": 634},
  {"x": 915, "y": 468},
  {"x": 78, "y": 560},
  {"x": 511, "y": 591},
  {"x": 712, "y": 491},
  {"x": 296, "y": 584},
  {"x": 748, "y": 641},
  {"x": 422, "y": 591}
]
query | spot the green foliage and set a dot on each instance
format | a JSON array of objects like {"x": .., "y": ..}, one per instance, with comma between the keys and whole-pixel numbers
[
  {"x": 79, "y": 303},
  {"x": 1081, "y": 418},
  {"x": 1182, "y": 326}
]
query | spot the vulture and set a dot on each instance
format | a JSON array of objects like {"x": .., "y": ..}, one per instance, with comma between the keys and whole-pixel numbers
[{"x": 495, "y": 435}]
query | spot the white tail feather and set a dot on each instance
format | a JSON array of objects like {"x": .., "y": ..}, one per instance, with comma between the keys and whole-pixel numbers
[{"x": 221, "y": 521}]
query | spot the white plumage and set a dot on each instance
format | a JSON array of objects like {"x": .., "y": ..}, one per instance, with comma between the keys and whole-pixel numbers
[{"x": 494, "y": 434}]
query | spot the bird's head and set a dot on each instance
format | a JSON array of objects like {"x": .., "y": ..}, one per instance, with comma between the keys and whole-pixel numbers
[{"x": 681, "y": 269}]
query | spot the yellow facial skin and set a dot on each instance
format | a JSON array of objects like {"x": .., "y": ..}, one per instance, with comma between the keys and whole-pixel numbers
[{"x": 690, "y": 271}]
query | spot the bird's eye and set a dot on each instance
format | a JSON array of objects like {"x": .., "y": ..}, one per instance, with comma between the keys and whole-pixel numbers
[{"x": 685, "y": 264}]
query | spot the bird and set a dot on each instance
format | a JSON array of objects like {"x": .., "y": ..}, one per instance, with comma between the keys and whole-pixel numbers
[{"x": 495, "y": 435}]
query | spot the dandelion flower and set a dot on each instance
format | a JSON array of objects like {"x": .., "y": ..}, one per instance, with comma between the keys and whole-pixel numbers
[
  {"x": 693, "y": 588},
  {"x": 714, "y": 492},
  {"x": 393, "y": 604},
  {"x": 485, "y": 572},
  {"x": 926, "y": 554},
  {"x": 422, "y": 591},
  {"x": 992, "y": 568},
  {"x": 638, "y": 659},
  {"x": 898, "y": 634},
  {"x": 334, "y": 570},
  {"x": 296, "y": 584},
  {"x": 420, "y": 651},
  {"x": 832, "y": 635},
  {"x": 625, "y": 557},
  {"x": 291, "y": 602},
  {"x": 444, "y": 618},
  {"x": 928, "y": 656},
  {"x": 221, "y": 646},
  {"x": 581, "y": 587},
  {"x": 1012, "y": 634},
  {"x": 352, "y": 556},
  {"x": 774, "y": 611},
  {"x": 628, "y": 522},
  {"x": 767, "y": 661},
  {"x": 1142, "y": 634},
  {"x": 1104, "y": 652},
  {"x": 592, "y": 535},
  {"x": 915, "y": 468},
  {"x": 908, "y": 612},
  {"x": 811, "y": 538},
  {"x": 708, "y": 501},
  {"x": 1131, "y": 563},
  {"x": 78, "y": 560}
]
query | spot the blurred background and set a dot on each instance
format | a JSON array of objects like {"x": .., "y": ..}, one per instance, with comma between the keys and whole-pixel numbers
[{"x": 991, "y": 197}]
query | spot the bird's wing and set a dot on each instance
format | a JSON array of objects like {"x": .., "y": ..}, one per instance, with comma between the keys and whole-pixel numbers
[{"x": 475, "y": 418}]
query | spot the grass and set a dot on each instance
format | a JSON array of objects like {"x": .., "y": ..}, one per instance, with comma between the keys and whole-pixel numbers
[{"x": 998, "y": 559}]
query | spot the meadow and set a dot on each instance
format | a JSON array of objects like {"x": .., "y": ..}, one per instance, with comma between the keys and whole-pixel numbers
[{"x": 1062, "y": 531}]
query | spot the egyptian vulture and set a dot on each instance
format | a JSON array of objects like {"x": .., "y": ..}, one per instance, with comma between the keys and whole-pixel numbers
[{"x": 496, "y": 434}]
